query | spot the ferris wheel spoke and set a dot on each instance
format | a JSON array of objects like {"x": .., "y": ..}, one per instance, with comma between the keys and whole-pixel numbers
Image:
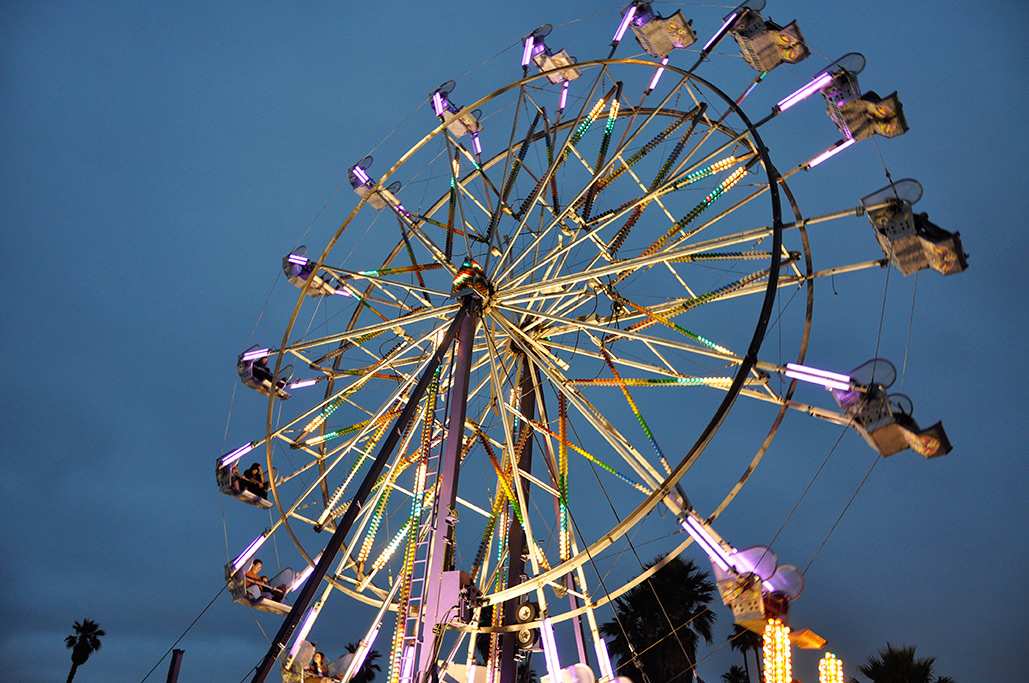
[
  {"x": 594, "y": 417},
  {"x": 501, "y": 275}
]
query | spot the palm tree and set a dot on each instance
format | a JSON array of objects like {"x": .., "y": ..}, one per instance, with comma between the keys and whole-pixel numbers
[
  {"x": 366, "y": 674},
  {"x": 641, "y": 637},
  {"x": 900, "y": 665},
  {"x": 743, "y": 640},
  {"x": 82, "y": 643},
  {"x": 736, "y": 675}
]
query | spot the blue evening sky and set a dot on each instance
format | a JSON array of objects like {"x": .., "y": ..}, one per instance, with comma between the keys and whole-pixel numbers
[{"x": 159, "y": 158}]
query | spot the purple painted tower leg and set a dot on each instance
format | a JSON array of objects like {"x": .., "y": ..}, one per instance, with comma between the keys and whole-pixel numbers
[
  {"x": 443, "y": 582},
  {"x": 335, "y": 543},
  {"x": 516, "y": 543}
]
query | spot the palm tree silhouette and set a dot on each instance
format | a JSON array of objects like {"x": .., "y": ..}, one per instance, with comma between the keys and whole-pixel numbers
[
  {"x": 648, "y": 650},
  {"x": 366, "y": 674},
  {"x": 743, "y": 640},
  {"x": 735, "y": 675},
  {"x": 893, "y": 664},
  {"x": 82, "y": 643}
]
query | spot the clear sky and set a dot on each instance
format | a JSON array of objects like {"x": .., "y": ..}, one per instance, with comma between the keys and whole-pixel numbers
[{"x": 159, "y": 158}]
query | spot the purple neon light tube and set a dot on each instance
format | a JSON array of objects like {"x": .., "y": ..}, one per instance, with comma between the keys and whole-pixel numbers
[
  {"x": 360, "y": 174},
  {"x": 297, "y": 259},
  {"x": 256, "y": 354},
  {"x": 819, "y": 82},
  {"x": 746, "y": 568},
  {"x": 624, "y": 26},
  {"x": 814, "y": 379},
  {"x": 248, "y": 552},
  {"x": 476, "y": 145},
  {"x": 233, "y": 456},
  {"x": 305, "y": 628},
  {"x": 819, "y": 373},
  {"x": 712, "y": 548},
  {"x": 437, "y": 104},
  {"x": 831, "y": 152},
  {"x": 657, "y": 75},
  {"x": 301, "y": 383},
  {"x": 722, "y": 30},
  {"x": 527, "y": 51},
  {"x": 564, "y": 96}
]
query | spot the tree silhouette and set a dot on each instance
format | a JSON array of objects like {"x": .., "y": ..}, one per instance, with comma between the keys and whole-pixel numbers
[
  {"x": 900, "y": 665},
  {"x": 648, "y": 650},
  {"x": 82, "y": 643},
  {"x": 735, "y": 674},
  {"x": 743, "y": 640},
  {"x": 366, "y": 674}
]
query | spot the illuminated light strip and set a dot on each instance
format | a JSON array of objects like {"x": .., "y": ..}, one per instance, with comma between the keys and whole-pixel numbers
[
  {"x": 527, "y": 51},
  {"x": 678, "y": 328},
  {"x": 564, "y": 97},
  {"x": 300, "y": 578},
  {"x": 360, "y": 174},
  {"x": 255, "y": 354},
  {"x": 818, "y": 373},
  {"x": 564, "y": 540},
  {"x": 437, "y": 104},
  {"x": 305, "y": 628},
  {"x": 491, "y": 523},
  {"x": 720, "y": 33},
  {"x": 401, "y": 657},
  {"x": 830, "y": 669},
  {"x": 502, "y": 481},
  {"x": 704, "y": 298},
  {"x": 301, "y": 383},
  {"x": 391, "y": 547},
  {"x": 248, "y": 552},
  {"x": 603, "y": 659},
  {"x": 657, "y": 75},
  {"x": 822, "y": 381},
  {"x": 829, "y": 153},
  {"x": 297, "y": 259},
  {"x": 633, "y": 407},
  {"x": 723, "y": 187},
  {"x": 708, "y": 544},
  {"x": 234, "y": 455},
  {"x": 820, "y": 81},
  {"x": 338, "y": 493},
  {"x": 595, "y": 460},
  {"x": 550, "y": 650},
  {"x": 776, "y": 652},
  {"x": 476, "y": 144},
  {"x": 657, "y": 382},
  {"x": 630, "y": 12}
]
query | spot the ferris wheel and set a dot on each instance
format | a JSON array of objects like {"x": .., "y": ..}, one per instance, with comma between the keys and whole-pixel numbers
[{"x": 551, "y": 304}]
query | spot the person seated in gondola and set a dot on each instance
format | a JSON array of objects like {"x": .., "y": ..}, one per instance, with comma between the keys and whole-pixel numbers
[
  {"x": 261, "y": 371},
  {"x": 317, "y": 665},
  {"x": 259, "y": 586},
  {"x": 253, "y": 480}
]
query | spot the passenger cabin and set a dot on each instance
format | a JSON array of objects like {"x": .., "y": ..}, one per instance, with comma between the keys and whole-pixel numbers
[
  {"x": 458, "y": 121},
  {"x": 885, "y": 420},
  {"x": 765, "y": 44},
  {"x": 231, "y": 483},
  {"x": 255, "y": 373},
  {"x": 299, "y": 670},
  {"x": 859, "y": 116},
  {"x": 298, "y": 269},
  {"x": 260, "y": 597},
  {"x": 910, "y": 240},
  {"x": 659, "y": 35},
  {"x": 548, "y": 60},
  {"x": 364, "y": 186}
]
